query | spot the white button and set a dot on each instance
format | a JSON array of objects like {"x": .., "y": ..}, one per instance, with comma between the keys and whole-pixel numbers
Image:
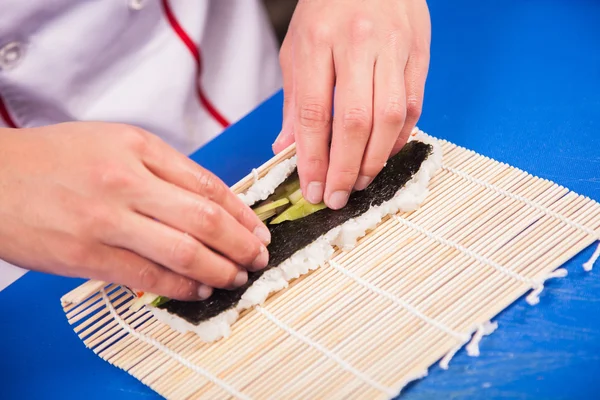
[
  {"x": 137, "y": 4},
  {"x": 11, "y": 54}
]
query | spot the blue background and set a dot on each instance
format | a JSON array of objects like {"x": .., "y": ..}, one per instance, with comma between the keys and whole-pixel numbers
[{"x": 518, "y": 81}]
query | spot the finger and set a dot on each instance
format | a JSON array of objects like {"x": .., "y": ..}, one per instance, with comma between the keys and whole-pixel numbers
[
  {"x": 313, "y": 91},
  {"x": 172, "y": 166},
  {"x": 415, "y": 76},
  {"x": 286, "y": 136},
  {"x": 389, "y": 106},
  {"x": 127, "y": 268},
  {"x": 204, "y": 220},
  {"x": 179, "y": 252},
  {"x": 352, "y": 122}
]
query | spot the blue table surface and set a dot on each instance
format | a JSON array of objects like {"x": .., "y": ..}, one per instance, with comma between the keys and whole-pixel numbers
[{"x": 516, "y": 80}]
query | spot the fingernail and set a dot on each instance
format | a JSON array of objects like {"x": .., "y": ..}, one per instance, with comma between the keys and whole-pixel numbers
[
  {"x": 314, "y": 192},
  {"x": 338, "y": 199},
  {"x": 274, "y": 145},
  {"x": 263, "y": 234},
  {"x": 262, "y": 259},
  {"x": 277, "y": 140},
  {"x": 362, "y": 182},
  {"x": 204, "y": 292},
  {"x": 241, "y": 278}
]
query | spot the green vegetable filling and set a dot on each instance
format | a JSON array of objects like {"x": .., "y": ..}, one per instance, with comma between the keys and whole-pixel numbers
[
  {"x": 299, "y": 210},
  {"x": 286, "y": 204},
  {"x": 160, "y": 300}
]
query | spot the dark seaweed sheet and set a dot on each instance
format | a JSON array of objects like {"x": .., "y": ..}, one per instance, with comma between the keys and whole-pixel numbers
[{"x": 291, "y": 236}]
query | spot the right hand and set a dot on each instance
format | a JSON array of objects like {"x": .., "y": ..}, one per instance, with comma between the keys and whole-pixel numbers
[{"x": 115, "y": 203}]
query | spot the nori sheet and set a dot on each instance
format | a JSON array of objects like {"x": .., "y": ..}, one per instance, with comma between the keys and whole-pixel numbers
[{"x": 291, "y": 236}]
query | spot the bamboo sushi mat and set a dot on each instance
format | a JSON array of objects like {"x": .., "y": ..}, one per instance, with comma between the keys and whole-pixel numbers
[{"x": 412, "y": 292}]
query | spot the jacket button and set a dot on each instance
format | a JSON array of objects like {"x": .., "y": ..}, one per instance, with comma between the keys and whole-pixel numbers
[
  {"x": 11, "y": 54},
  {"x": 137, "y": 4}
]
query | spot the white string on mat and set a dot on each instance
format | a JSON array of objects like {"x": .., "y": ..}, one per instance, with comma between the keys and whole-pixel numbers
[
  {"x": 536, "y": 284},
  {"x": 158, "y": 345},
  {"x": 533, "y": 298},
  {"x": 590, "y": 263},
  {"x": 255, "y": 175},
  {"x": 587, "y": 266},
  {"x": 484, "y": 329},
  {"x": 328, "y": 353},
  {"x": 399, "y": 302}
]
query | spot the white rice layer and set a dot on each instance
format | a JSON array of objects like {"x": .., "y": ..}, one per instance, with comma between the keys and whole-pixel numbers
[
  {"x": 345, "y": 236},
  {"x": 264, "y": 187}
]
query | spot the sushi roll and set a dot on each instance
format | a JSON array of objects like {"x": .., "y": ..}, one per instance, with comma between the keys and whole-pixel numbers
[{"x": 304, "y": 236}]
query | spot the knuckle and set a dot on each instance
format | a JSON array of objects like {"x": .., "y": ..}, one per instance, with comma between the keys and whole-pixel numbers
[
  {"x": 183, "y": 289},
  {"x": 208, "y": 217},
  {"x": 314, "y": 115},
  {"x": 394, "y": 112},
  {"x": 245, "y": 215},
  {"x": 183, "y": 253},
  {"x": 209, "y": 186},
  {"x": 357, "y": 119},
  {"x": 414, "y": 108},
  {"x": 347, "y": 173},
  {"x": 149, "y": 276},
  {"x": 361, "y": 29},
  {"x": 314, "y": 162},
  {"x": 320, "y": 33},
  {"x": 113, "y": 177},
  {"x": 134, "y": 138}
]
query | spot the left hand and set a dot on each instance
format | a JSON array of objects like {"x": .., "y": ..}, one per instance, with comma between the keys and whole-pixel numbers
[{"x": 376, "y": 54}]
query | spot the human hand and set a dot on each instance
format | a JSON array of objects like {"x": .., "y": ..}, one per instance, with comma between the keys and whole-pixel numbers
[
  {"x": 376, "y": 53},
  {"x": 115, "y": 203}
]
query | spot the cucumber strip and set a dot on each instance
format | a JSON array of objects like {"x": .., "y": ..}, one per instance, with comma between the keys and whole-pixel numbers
[
  {"x": 292, "y": 186},
  {"x": 159, "y": 301},
  {"x": 296, "y": 196},
  {"x": 266, "y": 215},
  {"x": 284, "y": 192},
  {"x": 270, "y": 206},
  {"x": 299, "y": 210}
]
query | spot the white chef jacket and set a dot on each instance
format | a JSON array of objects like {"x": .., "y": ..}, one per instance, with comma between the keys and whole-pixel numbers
[{"x": 181, "y": 69}]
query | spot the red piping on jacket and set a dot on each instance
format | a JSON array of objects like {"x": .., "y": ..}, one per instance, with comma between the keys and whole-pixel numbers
[
  {"x": 195, "y": 51},
  {"x": 5, "y": 115},
  {"x": 189, "y": 43}
]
